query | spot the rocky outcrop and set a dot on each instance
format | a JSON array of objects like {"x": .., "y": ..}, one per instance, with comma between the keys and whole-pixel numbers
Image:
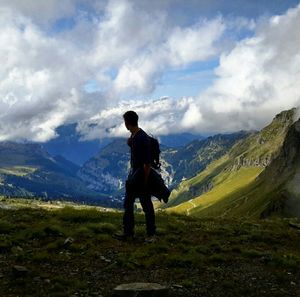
[
  {"x": 261, "y": 161},
  {"x": 100, "y": 181},
  {"x": 282, "y": 177},
  {"x": 107, "y": 171}
]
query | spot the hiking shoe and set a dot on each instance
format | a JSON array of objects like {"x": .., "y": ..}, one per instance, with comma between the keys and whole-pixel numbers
[
  {"x": 151, "y": 239},
  {"x": 123, "y": 236}
]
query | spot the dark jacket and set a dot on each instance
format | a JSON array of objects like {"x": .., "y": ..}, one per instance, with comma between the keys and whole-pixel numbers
[{"x": 155, "y": 187}]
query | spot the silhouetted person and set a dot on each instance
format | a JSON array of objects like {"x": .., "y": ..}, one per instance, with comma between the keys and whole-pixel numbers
[{"x": 137, "y": 181}]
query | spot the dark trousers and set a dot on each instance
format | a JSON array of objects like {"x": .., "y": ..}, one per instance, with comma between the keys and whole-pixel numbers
[{"x": 133, "y": 191}]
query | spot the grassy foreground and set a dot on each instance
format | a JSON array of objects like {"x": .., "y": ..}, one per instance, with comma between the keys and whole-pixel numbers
[{"x": 70, "y": 252}]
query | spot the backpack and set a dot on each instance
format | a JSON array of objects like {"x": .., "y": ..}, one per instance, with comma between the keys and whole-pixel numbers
[{"x": 155, "y": 152}]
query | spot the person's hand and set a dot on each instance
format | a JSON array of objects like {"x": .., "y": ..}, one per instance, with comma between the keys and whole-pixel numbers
[
  {"x": 129, "y": 141},
  {"x": 145, "y": 185}
]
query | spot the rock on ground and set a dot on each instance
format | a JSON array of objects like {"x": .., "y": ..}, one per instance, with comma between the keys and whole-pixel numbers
[{"x": 140, "y": 290}]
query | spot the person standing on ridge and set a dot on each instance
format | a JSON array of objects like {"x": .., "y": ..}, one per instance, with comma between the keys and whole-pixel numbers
[{"x": 137, "y": 181}]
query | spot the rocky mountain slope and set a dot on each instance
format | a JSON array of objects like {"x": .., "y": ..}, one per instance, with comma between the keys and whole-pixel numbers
[
  {"x": 107, "y": 171},
  {"x": 195, "y": 156},
  {"x": 242, "y": 182}
]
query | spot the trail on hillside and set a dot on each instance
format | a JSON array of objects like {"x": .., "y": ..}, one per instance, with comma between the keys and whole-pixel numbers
[{"x": 189, "y": 209}]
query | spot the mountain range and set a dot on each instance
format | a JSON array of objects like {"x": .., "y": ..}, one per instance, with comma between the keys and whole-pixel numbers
[{"x": 247, "y": 173}]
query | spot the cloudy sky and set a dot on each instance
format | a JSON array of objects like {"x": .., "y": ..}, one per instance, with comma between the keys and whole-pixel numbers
[{"x": 203, "y": 66}]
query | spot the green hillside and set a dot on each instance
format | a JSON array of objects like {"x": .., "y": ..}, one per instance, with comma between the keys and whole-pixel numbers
[
  {"x": 225, "y": 184},
  {"x": 274, "y": 191},
  {"x": 190, "y": 188},
  {"x": 224, "y": 188}
]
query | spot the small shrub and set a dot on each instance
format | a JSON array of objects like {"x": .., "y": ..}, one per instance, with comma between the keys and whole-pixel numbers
[
  {"x": 177, "y": 260},
  {"x": 54, "y": 246},
  {"x": 172, "y": 239},
  {"x": 228, "y": 284},
  {"x": 158, "y": 248},
  {"x": 216, "y": 258},
  {"x": 41, "y": 256},
  {"x": 215, "y": 247},
  {"x": 188, "y": 283},
  {"x": 78, "y": 247},
  {"x": 161, "y": 231},
  {"x": 285, "y": 261},
  {"x": 5, "y": 245},
  {"x": 252, "y": 253},
  {"x": 83, "y": 232},
  {"x": 38, "y": 233},
  {"x": 100, "y": 228},
  {"x": 123, "y": 261},
  {"x": 78, "y": 216},
  {"x": 54, "y": 230},
  {"x": 104, "y": 238},
  {"x": 201, "y": 249},
  {"x": 5, "y": 227},
  {"x": 175, "y": 228},
  {"x": 236, "y": 249}
]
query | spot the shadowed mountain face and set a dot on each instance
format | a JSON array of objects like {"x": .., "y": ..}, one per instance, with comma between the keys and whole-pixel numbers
[
  {"x": 69, "y": 145},
  {"x": 107, "y": 171},
  {"x": 255, "y": 178},
  {"x": 281, "y": 180},
  {"x": 28, "y": 170}
]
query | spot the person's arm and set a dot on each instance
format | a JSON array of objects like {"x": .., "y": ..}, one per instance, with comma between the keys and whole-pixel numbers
[
  {"x": 147, "y": 168},
  {"x": 147, "y": 160}
]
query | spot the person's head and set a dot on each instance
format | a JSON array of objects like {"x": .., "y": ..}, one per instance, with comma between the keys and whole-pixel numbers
[{"x": 131, "y": 119}]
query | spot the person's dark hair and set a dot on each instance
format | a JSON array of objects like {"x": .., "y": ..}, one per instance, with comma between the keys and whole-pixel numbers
[{"x": 131, "y": 117}]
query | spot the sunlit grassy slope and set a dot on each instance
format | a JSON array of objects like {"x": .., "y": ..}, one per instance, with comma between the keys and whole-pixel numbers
[
  {"x": 18, "y": 170},
  {"x": 188, "y": 189},
  {"x": 228, "y": 186},
  {"x": 226, "y": 183}
]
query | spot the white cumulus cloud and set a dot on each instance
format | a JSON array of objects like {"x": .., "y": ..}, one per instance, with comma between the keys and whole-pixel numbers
[
  {"x": 44, "y": 74},
  {"x": 121, "y": 50},
  {"x": 257, "y": 78}
]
